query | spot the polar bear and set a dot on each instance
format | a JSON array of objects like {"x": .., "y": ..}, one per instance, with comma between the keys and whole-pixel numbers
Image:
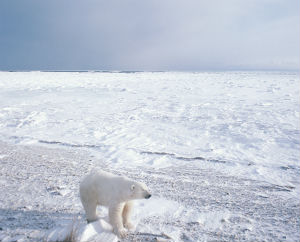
[{"x": 114, "y": 192}]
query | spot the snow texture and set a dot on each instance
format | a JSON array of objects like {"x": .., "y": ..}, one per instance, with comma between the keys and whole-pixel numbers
[{"x": 219, "y": 151}]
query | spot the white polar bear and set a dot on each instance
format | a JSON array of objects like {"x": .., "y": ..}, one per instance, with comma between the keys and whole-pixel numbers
[{"x": 114, "y": 192}]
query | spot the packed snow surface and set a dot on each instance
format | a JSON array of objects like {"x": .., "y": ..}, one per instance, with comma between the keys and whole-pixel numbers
[{"x": 220, "y": 152}]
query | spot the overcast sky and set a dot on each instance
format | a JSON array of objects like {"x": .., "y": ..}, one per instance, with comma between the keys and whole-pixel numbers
[{"x": 149, "y": 35}]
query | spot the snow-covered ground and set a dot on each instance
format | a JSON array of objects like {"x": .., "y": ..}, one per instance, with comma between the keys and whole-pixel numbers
[{"x": 220, "y": 152}]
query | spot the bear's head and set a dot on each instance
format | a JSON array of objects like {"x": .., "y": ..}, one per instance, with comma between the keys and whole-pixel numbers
[{"x": 139, "y": 190}]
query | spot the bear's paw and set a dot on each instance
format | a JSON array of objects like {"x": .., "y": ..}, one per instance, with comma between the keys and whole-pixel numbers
[
  {"x": 121, "y": 233},
  {"x": 129, "y": 226}
]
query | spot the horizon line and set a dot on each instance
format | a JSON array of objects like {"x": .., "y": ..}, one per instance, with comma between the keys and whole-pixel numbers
[{"x": 136, "y": 71}]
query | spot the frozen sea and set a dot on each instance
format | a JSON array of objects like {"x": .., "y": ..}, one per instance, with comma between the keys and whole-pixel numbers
[{"x": 220, "y": 150}]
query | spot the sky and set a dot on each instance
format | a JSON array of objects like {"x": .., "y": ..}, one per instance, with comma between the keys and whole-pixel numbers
[{"x": 150, "y": 35}]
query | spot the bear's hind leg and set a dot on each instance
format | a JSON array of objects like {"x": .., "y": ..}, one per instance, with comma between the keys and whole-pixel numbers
[
  {"x": 126, "y": 215},
  {"x": 90, "y": 211}
]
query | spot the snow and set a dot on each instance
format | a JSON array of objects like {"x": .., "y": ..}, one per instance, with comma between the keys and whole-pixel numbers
[{"x": 220, "y": 150}]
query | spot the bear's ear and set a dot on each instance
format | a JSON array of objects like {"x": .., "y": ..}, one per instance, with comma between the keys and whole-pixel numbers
[{"x": 132, "y": 187}]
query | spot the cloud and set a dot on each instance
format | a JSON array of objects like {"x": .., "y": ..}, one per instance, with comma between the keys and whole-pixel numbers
[{"x": 149, "y": 35}]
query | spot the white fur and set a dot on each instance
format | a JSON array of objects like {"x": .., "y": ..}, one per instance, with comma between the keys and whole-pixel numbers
[{"x": 114, "y": 192}]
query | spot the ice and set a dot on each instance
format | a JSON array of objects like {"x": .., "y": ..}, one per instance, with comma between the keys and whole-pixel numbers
[
  {"x": 99, "y": 231},
  {"x": 220, "y": 150}
]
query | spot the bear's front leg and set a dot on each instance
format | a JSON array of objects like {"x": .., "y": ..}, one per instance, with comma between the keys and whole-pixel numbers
[
  {"x": 127, "y": 210},
  {"x": 115, "y": 218}
]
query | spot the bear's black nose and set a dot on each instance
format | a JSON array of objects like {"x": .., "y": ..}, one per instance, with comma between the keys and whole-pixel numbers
[{"x": 148, "y": 196}]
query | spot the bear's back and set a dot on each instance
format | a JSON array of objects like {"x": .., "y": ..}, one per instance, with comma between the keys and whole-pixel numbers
[{"x": 106, "y": 187}]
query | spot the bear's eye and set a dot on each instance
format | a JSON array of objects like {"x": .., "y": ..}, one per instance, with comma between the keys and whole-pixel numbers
[{"x": 132, "y": 187}]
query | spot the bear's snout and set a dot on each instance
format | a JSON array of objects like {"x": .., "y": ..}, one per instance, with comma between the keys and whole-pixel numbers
[{"x": 148, "y": 196}]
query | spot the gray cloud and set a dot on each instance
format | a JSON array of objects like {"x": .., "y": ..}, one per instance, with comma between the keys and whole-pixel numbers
[{"x": 149, "y": 35}]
